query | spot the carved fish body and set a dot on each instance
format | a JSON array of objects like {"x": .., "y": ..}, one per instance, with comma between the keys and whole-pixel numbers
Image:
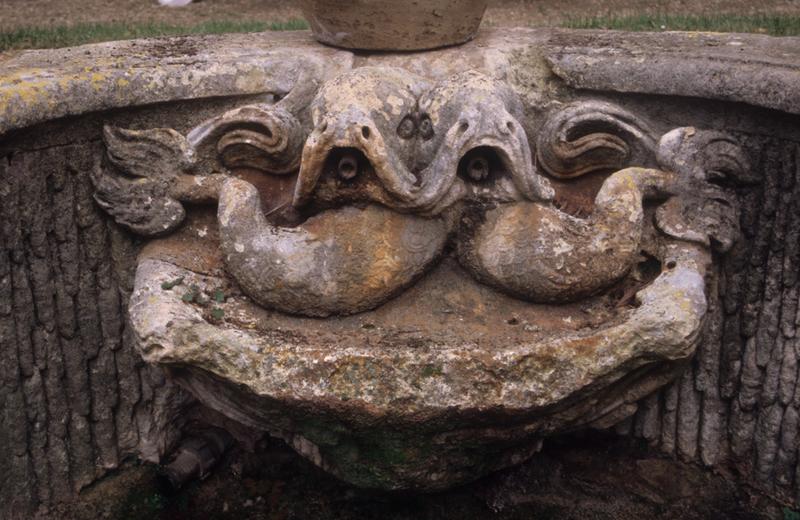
[
  {"x": 539, "y": 253},
  {"x": 338, "y": 262}
]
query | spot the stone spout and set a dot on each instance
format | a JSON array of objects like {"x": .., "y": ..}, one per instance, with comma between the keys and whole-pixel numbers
[
  {"x": 499, "y": 132},
  {"x": 194, "y": 459},
  {"x": 473, "y": 114},
  {"x": 412, "y": 146},
  {"x": 361, "y": 111},
  {"x": 338, "y": 262},
  {"x": 354, "y": 130},
  {"x": 539, "y": 253}
]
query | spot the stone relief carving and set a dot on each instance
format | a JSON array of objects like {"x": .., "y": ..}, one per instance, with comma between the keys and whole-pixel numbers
[
  {"x": 160, "y": 168},
  {"x": 381, "y": 200}
]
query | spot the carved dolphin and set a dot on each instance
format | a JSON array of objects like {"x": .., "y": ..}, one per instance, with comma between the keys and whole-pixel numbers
[
  {"x": 340, "y": 261},
  {"x": 361, "y": 111},
  {"x": 539, "y": 253},
  {"x": 476, "y": 112},
  {"x": 413, "y": 138}
]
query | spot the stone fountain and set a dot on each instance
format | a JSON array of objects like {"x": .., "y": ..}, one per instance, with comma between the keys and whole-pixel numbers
[
  {"x": 411, "y": 267},
  {"x": 384, "y": 275}
]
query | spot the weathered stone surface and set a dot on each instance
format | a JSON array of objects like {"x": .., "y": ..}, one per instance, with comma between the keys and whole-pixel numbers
[
  {"x": 64, "y": 296},
  {"x": 445, "y": 163},
  {"x": 748, "y": 417},
  {"x": 542, "y": 254},
  {"x": 42, "y": 85},
  {"x": 587, "y": 136},
  {"x": 734, "y": 67},
  {"x": 337, "y": 262},
  {"x": 70, "y": 383},
  {"x": 382, "y": 409},
  {"x": 409, "y": 137}
]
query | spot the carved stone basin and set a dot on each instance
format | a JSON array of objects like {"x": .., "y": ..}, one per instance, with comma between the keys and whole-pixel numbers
[
  {"x": 445, "y": 383},
  {"x": 380, "y": 269},
  {"x": 392, "y": 24}
]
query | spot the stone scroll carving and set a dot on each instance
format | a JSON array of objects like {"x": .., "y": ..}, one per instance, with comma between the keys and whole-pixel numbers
[{"x": 341, "y": 268}]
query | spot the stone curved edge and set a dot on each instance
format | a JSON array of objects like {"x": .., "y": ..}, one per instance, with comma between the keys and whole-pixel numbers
[
  {"x": 754, "y": 69},
  {"x": 42, "y": 85},
  {"x": 416, "y": 382}
]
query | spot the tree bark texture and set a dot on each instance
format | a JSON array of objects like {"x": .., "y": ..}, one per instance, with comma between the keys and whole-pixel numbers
[
  {"x": 75, "y": 398},
  {"x": 738, "y": 402}
]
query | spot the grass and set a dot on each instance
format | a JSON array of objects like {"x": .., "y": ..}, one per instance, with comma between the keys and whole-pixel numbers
[
  {"x": 776, "y": 25},
  {"x": 78, "y": 34}
]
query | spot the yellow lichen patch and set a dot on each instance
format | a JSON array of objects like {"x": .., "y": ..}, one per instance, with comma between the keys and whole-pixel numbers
[
  {"x": 251, "y": 80},
  {"x": 24, "y": 90},
  {"x": 386, "y": 262},
  {"x": 98, "y": 80},
  {"x": 25, "y": 93}
]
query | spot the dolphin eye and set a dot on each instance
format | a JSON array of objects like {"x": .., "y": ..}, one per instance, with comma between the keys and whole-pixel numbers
[
  {"x": 426, "y": 127},
  {"x": 407, "y": 128}
]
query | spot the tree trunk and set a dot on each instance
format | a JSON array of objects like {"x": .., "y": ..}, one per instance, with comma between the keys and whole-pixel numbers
[
  {"x": 738, "y": 402},
  {"x": 75, "y": 398}
]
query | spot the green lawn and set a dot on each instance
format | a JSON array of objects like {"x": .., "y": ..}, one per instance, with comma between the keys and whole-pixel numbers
[
  {"x": 66, "y": 36},
  {"x": 776, "y": 25}
]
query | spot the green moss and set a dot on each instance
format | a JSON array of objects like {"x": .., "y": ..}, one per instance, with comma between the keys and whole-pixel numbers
[
  {"x": 167, "y": 286},
  {"x": 375, "y": 461},
  {"x": 432, "y": 370},
  {"x": 140, "y": 504},
  {"x": 321, "y": 433},
  {"x": 219, "y": 296}
]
